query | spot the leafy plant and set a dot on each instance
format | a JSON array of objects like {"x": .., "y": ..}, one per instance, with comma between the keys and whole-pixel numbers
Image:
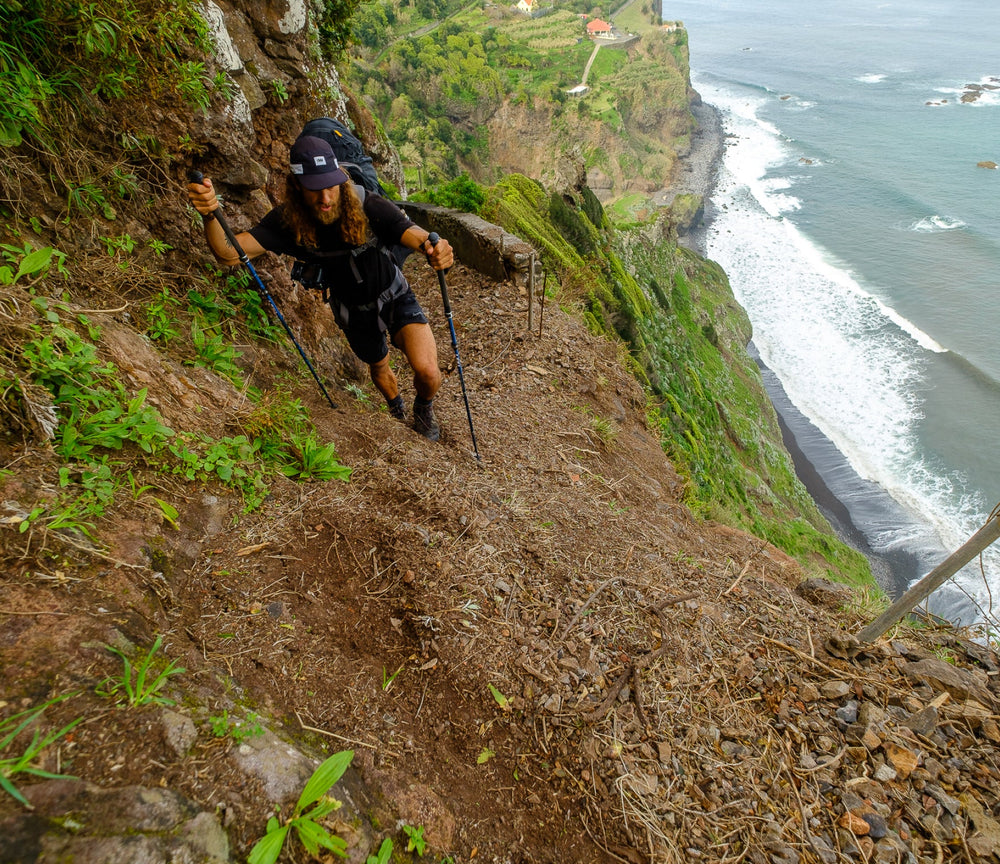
[
  {"x": 88, "y": 198},
  {"x": 485, "y": 755},
  {"x": 159, "y": 247},
  {"x": 215, "y": 354},
  {"x": 384, "y": 855},
  {"x": 279, "y": 90},
  {"x": 238, "y": 730},
  {"x": 23, "y": 763},
  {"x": 161, "y": 321},
  {"x": 415, "y": 839},
  {"x": 314, "y": 461},
  {"x": 28, "y": 262},
  {"x": 114, "y": 245},
  {"x": 357, "y": 392},
  {"x": 191, "y": 80},
  {"x": 144, "y": 687},
  {"x": 306, "y": 821}
]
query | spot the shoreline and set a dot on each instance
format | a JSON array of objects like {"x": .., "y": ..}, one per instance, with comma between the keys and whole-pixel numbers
[{"x": 699, "y": 169}]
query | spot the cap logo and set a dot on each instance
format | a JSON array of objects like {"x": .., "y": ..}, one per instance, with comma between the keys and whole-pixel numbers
[
  {"x": 297, "y": 168},
  {"x": 319, "y": 160}
]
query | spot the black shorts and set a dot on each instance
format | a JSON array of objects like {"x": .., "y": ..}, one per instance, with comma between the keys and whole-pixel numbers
[{"x": 367, "y": 338}]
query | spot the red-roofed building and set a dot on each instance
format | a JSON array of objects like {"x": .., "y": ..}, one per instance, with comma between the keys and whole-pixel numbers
[{"x": 599, "y": 28}]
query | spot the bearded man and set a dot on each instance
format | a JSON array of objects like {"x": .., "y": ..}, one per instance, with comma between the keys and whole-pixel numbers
[{"x": 345, "y": 234}]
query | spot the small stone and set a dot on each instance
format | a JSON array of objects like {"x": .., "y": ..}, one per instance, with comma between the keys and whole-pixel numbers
[
  {"x": 923, "y": 722},
  {"x": 179, "y": 731},
  {"x": 903, "y": 759},
  {"x": 847, "y": 713},
  {"x": 835, "y": 689},
  {"x": 870, "y": 713},
  {"x": 854, "y": 823},
  {"x": 885, "y": 773},
  {"x": 877, "y": 827},
  {"x": 808, "y": 692},
  {"x": 859, "y": 733},
  {"x": 990, "y": 730}
]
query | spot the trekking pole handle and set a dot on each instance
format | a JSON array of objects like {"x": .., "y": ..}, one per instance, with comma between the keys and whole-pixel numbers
[
  {"x": 196, "y": 176},
  {"x": 433, "y": 238}
]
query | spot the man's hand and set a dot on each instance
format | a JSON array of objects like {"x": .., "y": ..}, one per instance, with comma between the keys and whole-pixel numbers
[
  {"x": 202, "y": 196},
  {"x": 440, "y": 255}
]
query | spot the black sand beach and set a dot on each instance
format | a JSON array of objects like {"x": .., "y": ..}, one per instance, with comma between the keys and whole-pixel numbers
[{"x": 893, "y": 571}]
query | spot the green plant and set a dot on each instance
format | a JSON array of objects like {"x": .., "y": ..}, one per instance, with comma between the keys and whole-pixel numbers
[
  {"x": 384, "y": 855},
  {"x": 306, "y": 822},
  {"x": 88, "y": 198},
  {"x": 22, "y": 763},
  {"x": 215, "y": 354},
  {"x": 279, "y": 90},
  {"x": 387, "y": 679},
  {"x": 96, "y": 411},
  {"x": 158, "y": 246},
  {"x": 224, "y": 85},
  {"x": 144, "y": 688},
  {"x": 29, "y": 263},
  {"x": 357, "y": 392},
  {"x": 233, "y": 460},
  {"x": 415, "y": 839},
  {"x": 238, "y": 730},
  {"x": 310, "y": 460},
  {"x": 161, "y": 320},
  {"x": 191, "y": 80},
  {"x": 114, "y": 245}
]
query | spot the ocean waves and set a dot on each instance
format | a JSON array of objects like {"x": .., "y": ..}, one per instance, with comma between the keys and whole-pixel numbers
[{"x": 855, "y": 367}]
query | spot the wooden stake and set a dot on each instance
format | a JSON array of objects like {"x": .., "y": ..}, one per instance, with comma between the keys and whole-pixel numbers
[{"x": 933, "y": 580}]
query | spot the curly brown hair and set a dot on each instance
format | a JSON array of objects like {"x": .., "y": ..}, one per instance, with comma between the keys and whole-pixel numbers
[{"x": 354, "y": 228}]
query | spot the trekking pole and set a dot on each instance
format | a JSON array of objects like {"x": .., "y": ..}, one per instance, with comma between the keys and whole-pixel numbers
[
  {"x": 433, "y": 237},
  {"x": 197, "y": 177}
]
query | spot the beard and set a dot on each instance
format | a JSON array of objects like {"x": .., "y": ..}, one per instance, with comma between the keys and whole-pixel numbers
[{"x": 327, "y": 217}]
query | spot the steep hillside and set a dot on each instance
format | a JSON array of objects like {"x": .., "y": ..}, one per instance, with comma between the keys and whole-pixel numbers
[
  {"x": 212, "y": 579},
  {"x": 486, "y": 92}
]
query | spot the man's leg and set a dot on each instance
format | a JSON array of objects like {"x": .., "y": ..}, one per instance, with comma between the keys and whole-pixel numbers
[
  {"x": 385, "y": 382},
  {"x": 416, "y": 341}
]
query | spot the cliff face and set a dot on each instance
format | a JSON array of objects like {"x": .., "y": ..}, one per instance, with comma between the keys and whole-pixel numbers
[{"x": 561, "y": 143}]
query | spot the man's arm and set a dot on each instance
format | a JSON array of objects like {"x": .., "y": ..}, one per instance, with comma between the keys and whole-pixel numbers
[
  {"x": 203, "y": 200},
  {"x": 441, "y": 256}
]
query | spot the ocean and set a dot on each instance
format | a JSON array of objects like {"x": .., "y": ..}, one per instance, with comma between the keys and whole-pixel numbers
[{"x": 863, "y": 239}]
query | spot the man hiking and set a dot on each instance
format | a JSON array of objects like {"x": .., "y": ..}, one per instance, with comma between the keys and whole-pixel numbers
[{"x": 345, "y": 233}]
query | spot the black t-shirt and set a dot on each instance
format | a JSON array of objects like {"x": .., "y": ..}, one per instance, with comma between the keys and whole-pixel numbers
[{"x": 377, "y": 270}]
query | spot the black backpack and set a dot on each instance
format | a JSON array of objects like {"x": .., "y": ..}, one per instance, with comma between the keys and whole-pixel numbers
[{"x": 349, "y": 151}]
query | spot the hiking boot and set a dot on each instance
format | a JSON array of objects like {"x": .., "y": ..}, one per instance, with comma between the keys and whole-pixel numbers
[
  {"x": 424, "y": 420},
  {"x": 397, "y": 408}
]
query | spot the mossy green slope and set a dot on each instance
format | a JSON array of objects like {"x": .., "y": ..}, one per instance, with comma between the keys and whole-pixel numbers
[{"x": 687, "y": 339}]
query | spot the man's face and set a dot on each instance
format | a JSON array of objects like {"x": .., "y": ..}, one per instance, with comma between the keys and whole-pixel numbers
[{"x": 324, "y": 203}]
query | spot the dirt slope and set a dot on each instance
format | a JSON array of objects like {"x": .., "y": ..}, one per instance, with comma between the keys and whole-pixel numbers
[{"x": 660, "y": 691}]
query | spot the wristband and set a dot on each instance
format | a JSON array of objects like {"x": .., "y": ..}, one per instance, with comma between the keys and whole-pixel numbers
[{"x": 208, "y": 217}]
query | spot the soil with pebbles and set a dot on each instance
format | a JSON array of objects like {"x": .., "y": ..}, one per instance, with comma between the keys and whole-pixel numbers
[{"x": 537, "y": 656}]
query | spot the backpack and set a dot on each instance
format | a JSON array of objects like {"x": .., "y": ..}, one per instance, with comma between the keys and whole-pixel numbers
[{"x": 349, "y": 151}]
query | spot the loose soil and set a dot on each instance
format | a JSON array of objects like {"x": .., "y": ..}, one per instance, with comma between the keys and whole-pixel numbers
[{"x": 538, "y": 656}]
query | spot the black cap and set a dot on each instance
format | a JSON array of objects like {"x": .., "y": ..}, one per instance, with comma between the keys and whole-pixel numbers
[{"x": 313, "y": 163}]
